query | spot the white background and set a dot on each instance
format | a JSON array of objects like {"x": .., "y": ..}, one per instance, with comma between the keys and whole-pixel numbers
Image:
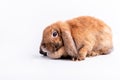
[{"x": 21, "y": 26}]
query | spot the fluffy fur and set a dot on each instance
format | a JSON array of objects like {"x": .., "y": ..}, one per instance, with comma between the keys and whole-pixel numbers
[{"x": 78, "y": 38}]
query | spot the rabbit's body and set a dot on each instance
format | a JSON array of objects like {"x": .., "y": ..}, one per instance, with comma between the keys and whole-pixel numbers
[{"x": 80, "y": 37}]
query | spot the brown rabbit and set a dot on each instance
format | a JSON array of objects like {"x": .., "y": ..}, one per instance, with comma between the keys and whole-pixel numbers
[{"x": 78, "y": 38}]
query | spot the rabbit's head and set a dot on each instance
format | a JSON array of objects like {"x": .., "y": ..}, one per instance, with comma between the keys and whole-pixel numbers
[{"x": 52, "y": 39}]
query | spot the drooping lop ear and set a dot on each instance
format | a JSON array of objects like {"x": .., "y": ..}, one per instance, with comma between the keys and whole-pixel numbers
[{"x": 68, "y": 41}]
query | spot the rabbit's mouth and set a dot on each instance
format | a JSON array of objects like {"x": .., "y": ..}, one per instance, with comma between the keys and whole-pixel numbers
[
  {"x": 42, "y": 52},
  {"x": 50, "y": 48}
]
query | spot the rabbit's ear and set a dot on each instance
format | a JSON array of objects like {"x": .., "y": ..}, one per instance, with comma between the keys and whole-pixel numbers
[{"x": 68, "y": 41}]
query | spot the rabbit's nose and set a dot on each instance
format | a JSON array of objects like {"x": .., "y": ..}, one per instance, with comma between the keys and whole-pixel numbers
[{"x": 42, "y": 52}]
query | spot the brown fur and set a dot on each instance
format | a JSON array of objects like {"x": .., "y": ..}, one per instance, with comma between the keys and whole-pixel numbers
[{"x": 78, "y": 38}]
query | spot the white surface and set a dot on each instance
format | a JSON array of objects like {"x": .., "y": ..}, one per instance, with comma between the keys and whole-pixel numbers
[{"x": 21, "y": 26}]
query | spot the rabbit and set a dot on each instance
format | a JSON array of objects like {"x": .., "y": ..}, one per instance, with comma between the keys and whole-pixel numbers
[{"x": 78, "y": 38}]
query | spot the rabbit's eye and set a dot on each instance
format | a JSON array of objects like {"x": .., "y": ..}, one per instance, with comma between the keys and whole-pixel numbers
[{"x": 55, "y": 34}]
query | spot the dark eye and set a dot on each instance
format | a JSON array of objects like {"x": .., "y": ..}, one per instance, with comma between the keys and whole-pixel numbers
[{"x": 54, "y": 34}]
